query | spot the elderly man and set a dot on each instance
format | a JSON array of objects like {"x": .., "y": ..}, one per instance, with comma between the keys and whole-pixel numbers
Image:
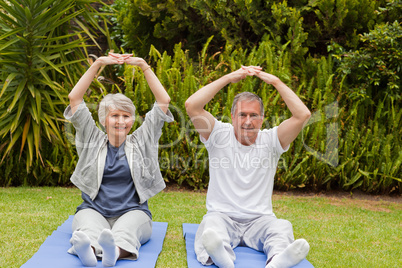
[{"x": 242, "y": 165}]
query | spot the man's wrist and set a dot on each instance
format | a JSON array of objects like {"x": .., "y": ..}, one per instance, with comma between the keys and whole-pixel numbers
[
  {"x": 276, "y": 82},
  {"x": 226, "y": 79}
]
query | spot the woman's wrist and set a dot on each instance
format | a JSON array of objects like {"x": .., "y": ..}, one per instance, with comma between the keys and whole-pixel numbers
[
  {"x": 146, "y": 67},
  {"x": 97, "y": 64}
]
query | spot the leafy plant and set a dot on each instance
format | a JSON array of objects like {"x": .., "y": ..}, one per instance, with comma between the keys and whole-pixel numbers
[
  {"x": 308, "y": 26},
  {"x": 377, "y": 65},
  {"x": 353, "y": 140},
  {"x": 41, "y": 42}
]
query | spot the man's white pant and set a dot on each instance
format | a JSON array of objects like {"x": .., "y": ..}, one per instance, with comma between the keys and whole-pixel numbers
[{"x": 266, "y": 233}]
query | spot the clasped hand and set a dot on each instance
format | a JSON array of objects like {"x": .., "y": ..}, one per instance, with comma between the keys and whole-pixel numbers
[
  {"x": 245, "y": 71},
  {"x": 115, "y": 58}
]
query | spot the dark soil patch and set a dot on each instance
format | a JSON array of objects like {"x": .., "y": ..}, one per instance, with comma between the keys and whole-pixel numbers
[{"x": 356, "y": 195}]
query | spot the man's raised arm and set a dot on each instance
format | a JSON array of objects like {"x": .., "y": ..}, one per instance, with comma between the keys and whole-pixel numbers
[
  {"x": 290, "y": 128},
  {"x": 204, "y": 121}
]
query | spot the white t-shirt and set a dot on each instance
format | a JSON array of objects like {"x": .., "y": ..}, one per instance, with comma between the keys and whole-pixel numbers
[{"x": 241, "y": 177}]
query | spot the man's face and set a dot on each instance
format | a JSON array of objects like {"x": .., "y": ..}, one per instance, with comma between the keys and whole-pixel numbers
[
  {"x": 247, "y": 121},
  {"x": 118, "y": 124}
]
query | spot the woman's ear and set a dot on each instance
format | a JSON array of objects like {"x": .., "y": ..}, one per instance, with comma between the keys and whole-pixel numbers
[{"x": 103, "y": 125}]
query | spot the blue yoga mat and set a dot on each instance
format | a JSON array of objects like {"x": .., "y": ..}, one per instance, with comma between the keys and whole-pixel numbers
[
  {"x": 53, "y": 252},
  {"x": 245, "y": 257}
]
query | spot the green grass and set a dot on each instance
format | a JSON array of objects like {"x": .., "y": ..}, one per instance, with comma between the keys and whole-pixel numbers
[{"x": 342, "y": 232}]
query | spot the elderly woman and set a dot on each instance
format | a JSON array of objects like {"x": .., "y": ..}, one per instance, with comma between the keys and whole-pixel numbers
[{"x": 116, "y": 172}]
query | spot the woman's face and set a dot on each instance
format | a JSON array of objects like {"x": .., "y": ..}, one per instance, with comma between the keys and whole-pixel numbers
[{"x": 118, "y": 124}]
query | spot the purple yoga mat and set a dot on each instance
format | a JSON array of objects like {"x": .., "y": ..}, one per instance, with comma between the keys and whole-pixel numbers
[
  {"x": 245, "y": 257},
  {"x": 53, "y": 252}
]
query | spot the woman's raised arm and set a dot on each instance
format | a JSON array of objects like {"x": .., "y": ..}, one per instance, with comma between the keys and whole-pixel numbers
[
  {"x": 161, "y": 96},
  {"x": 77, "y": 93}
]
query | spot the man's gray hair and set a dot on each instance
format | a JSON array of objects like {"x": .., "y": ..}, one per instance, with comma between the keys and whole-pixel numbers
[
  {"x": 247, "y": 96},
  {"x": 115, "y": 101}
]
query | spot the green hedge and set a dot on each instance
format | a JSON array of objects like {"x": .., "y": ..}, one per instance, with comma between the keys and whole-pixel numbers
[
  {"x": 353, "y": 140},
  {"x": 334, "y": 151},
  {"x": 308, "y": 25}
]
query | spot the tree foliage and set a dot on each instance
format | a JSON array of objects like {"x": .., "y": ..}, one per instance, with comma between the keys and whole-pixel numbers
[
  {"x": 377, "y": 65},
  {"x": 308, "y": 26},
  {"x": 373, "y": 72}
]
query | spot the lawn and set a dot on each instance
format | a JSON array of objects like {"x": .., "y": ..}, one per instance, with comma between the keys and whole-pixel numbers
[{"x": 342, "y": 232}]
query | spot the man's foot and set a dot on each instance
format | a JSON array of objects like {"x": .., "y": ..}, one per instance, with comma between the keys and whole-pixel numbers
[
  {"x": 215, "y": 249},
  {"x": 291, "y": 256}
]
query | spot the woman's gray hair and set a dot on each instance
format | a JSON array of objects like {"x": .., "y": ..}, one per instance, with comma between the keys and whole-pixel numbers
[
  {"x": 115, "y": 101},
  {"x": 246, "y": 96}
]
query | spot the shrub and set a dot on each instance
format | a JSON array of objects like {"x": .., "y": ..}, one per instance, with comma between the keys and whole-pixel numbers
[
  {"x": 308, "y": 26},
  {"x": 377, "y": 66},
  {"x": 335, "y": 151},
  {"x": 40, "y": 52},
  {"x": 353, "y": 141}
]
